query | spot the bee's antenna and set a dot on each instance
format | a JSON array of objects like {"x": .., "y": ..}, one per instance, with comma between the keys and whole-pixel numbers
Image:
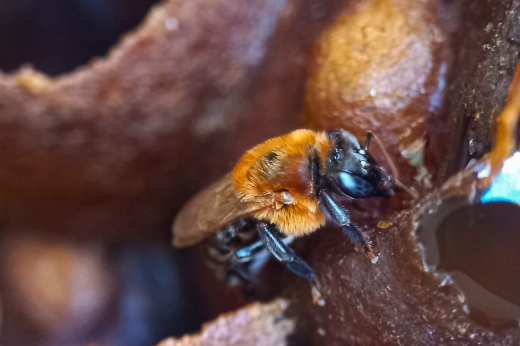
[
  {"x": 405, "y": 188},
  {"x": 397, "y": 182},
  {"x": 393, "y": 168},
  {"x": 367, "y": 141}
]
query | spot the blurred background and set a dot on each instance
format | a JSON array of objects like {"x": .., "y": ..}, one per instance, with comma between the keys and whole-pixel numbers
[
  {"x": 57, "y": 36},
  {"x": 61, "y": 290}
]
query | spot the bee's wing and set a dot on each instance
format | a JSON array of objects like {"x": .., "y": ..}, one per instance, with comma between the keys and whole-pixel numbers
[{"x": 210, "y": 211}]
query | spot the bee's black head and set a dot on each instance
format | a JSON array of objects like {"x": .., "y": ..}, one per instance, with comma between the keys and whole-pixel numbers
[{"x": 352, "y": 171}]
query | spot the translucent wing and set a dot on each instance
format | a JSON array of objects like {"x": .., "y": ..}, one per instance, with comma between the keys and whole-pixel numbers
[{"x": 210, "y": 211}]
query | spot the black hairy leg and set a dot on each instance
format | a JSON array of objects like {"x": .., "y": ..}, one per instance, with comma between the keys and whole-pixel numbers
[
  {"x": 339, "y": 217},
  {"x": 274, "y": 242},
  {"x": 238, "y": 252}
]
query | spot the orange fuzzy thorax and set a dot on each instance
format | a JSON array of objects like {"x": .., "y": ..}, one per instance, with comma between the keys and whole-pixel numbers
[{"x": 278, "y": 167}]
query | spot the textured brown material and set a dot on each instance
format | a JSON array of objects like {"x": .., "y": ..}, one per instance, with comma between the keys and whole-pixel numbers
[
  {"x": 395, "y": 301},
  {"x": 255, "y": 325},
  {"x": 378, "y": 70},
  {"x": 485, "y": 40},
  {"x": 106, "y": 147}
]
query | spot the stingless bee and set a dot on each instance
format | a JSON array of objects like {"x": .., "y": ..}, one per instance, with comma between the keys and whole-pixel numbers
[{"x": 284, "y": 188}]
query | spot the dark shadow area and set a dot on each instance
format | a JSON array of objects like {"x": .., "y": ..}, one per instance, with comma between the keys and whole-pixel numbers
[{"x": 56, "y": 36}]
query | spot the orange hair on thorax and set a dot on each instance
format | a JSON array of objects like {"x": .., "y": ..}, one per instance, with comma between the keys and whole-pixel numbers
[{"x": 282, "y": 164}]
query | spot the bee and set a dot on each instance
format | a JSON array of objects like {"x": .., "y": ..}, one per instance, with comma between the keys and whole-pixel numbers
[{"x": 284, "y": 188}]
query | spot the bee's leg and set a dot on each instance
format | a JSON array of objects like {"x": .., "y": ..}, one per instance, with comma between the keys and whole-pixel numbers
[
  {"x": 244, "y": 267},
  {"x": 221, "y": 252},
  {"x": 283, "y": 252},
  {"x": 251, "y": 250},
  {"x": 239, "y": 274},
  {"x": 353, "y": 233},
  {"x": 340, "y": 217}
]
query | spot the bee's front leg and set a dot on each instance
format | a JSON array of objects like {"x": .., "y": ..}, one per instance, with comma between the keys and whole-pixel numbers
[
  {"x": 340, "y": 217},
  {"x": 283, "y": 252}
]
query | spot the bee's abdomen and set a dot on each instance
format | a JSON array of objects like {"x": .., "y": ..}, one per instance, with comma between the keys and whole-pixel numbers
[{"x": 221, "y": 250}]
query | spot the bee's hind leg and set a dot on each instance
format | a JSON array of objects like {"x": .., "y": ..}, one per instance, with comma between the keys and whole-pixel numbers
[
  {"x": 283, "y": 252},
  {"x": 244, "y": 267},
  {"x": 248, "y": 252}
]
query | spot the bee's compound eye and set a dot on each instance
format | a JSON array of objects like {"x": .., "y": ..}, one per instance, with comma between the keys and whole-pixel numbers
[{"x": 355, "y": 186}]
